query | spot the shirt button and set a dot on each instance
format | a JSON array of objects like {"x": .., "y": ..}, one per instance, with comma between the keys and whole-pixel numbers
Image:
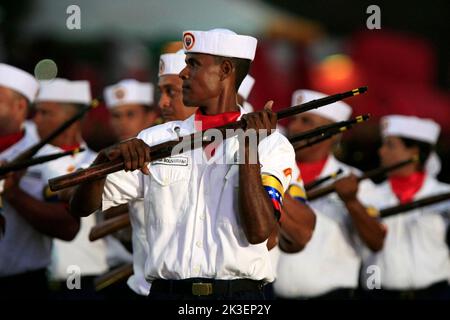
[
  {"x": 198, "y": 244},
  {"x": 196, "y": 269},
  {"x": 202, "y": 217}
]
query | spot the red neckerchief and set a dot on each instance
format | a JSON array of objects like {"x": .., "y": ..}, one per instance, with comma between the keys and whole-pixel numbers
[
  {"x": 311, "y": 170},
  {"x": 10, "y": 139},
  {"x": 213, "y": 121},
  {"x": 217, "y": 120},
  {"x": 405, "y": 188},
  {"x": 70, "y": 147}
]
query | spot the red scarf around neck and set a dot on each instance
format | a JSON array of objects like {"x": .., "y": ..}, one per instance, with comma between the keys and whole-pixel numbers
[
  {"x": 216, "y": 120},
  {"x": 10, "y": 139},
  {"x": 70, "y": 147},
  {"x": 205, "y": 122},
  {"x": 405, "y": 188},
  {"x": 311, "y": 170}
]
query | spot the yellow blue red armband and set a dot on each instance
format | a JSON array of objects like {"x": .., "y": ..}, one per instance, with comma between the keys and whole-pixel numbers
[
  {"x": 275, "y": 191},
  {"x": 49, "y": 195},
  {"x": 297, "y": 192}
]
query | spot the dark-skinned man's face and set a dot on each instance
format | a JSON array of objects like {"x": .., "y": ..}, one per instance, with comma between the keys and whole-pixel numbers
[
  {"x": 11, "y": 110},
  {"x": 50, "y": 115},
  {"x": 393, "y": 150},
  {"x": 128, "y": 120},
  {"x": 171, "y": 98},
  {"x": 6, "y": 101},
  {"x": 201, "y": 79}
]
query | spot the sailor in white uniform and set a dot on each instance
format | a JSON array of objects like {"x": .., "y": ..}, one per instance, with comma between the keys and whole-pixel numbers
[
  {"x": 207, "y": 217},
  {"x": 328, "y": 267},
  {"x": 170, "y": 87},
  {"x": 31, "y": 223},
  {"x": 130, "y": 103},
  {"x": 414, "y": 262},
  {"x": 58, "y": 100}
]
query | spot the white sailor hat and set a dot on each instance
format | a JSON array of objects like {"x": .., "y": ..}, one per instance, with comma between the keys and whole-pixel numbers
[
  {"x": 220, "y": 42},
  {"x": 172, "y": 63},
  {"x": 129, "y": 91},
  {"x": 337, "y": 111},
  {"x": 19, "y": 81},
  {"x": 65, "y": 91},
  {"x": 246, "y": 86},
  {"x": 425, "y": 130}
]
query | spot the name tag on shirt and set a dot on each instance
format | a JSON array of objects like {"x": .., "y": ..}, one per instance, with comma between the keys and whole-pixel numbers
[{"x": 172, "y": 161}]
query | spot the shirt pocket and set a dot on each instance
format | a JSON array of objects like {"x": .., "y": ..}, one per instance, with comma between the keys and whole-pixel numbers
[
  {"x": 168, "y": 188},
  {"x": 165, "y": 175}
]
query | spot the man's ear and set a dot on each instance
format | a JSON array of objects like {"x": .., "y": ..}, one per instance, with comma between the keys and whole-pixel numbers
[
  {"x": 415, "y": 151},
  {"x": 226, "y": 69},
  {"x": 21, "y": 104}
]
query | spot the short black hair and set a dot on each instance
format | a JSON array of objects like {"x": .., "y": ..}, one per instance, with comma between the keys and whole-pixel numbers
[
  {"x": 424, "y": 149},
  {"x": 242, "y": 67}
]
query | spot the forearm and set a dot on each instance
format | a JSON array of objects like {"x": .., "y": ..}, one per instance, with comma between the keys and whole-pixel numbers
[
  {"x": 256, "y": 209},
  {"x": 52, "y": 219},
  {"x": 369, "y": 229},
  {"x": 297, "y": 225},
  {"x": 273, "y": 239},
  {"x": 87, "y": 198}
]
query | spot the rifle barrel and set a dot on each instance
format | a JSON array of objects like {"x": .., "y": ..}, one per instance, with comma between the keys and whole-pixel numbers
[
  {"x": 414, "y": 205},
  {"x": 314, "y": 194},
  {"x": 16, "y": 166},
  {"x": 318, "y": 182},
  {"x": 30, "y": 152},
  {"x": 329, "y": 129},
  {"x": 165, "y": 149}
]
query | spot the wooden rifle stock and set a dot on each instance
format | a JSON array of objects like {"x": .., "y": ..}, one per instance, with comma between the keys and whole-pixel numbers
[
  {"x": 109, "y": 226},
  {"x": 115, "y": 211},
  {"x": 116, "y": 275}
]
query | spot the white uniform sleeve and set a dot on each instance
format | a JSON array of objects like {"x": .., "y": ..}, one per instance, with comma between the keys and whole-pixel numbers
[
  {"x": 369, "y": 195},
  {"x": 277, "y": 158},
  {"x": 297, "y": 177},
  {"x": 122, "y": 187}
]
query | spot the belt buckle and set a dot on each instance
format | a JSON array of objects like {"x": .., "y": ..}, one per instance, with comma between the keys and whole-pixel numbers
[{"x": 202, "y": 289}]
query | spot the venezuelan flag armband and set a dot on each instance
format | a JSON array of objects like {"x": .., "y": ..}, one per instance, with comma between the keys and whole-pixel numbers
[
  {"x": 49, "y": 195},
  {"x": 297, "y": 192},
  {"x": 275, "y": 191}
]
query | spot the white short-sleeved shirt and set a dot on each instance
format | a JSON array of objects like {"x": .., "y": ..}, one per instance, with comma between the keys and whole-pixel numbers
[
  {"x": 415, "y": 254},
  {"x": 89, "y": 256},
  {"x": 191, "y": 208},
  {"x": 137, "y": 281},
  {"x": 22, "y": 247},
  {"x": 331, "y": 259}
]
